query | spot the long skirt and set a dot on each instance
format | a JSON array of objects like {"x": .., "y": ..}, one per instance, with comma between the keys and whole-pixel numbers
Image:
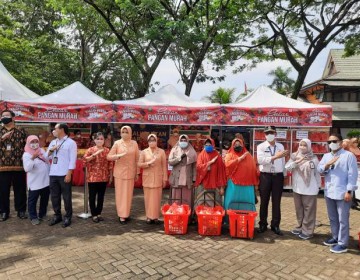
[
  {"x": 239, "y": 197},
  {"x": 123, "y": 196},
  {"x": 207, "y": 197},
  {"x": 182, "y": 195},
  {"x": 152, "y": 199}
]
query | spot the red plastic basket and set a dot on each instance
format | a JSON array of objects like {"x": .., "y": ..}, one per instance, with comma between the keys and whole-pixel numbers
[
  {"x": 176, "y": 223},
  {"x": 209, "y": 224},
  {"x": 242, "y": 223}
]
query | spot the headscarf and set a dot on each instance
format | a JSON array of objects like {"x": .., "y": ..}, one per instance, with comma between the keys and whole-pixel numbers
[
  {"x": 216, "y": 176},
  {"x": 243, "y": 173},
  {"x": 177, "y": 151},
  {"x": 31, "y": 151},
  {"x": 129, "y": 130},
  {"x": 304, "y": 166}
]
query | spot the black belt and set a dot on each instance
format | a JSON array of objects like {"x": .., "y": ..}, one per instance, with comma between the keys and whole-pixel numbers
[{"x": 272, "y": 174}]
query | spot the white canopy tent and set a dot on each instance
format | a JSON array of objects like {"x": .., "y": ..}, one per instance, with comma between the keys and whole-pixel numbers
[
  {"x": 166, "y": 96},
  {"x": 75, "y": 93},
  {"x": 12, "y": 89},
  {"x": 265, "y": 97}
]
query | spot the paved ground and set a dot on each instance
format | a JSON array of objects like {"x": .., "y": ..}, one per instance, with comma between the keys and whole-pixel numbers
[{"x": 138, "y": 251}]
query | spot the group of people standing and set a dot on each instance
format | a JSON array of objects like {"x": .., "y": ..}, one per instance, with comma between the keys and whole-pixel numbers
[{"x": 195, "y": 178}]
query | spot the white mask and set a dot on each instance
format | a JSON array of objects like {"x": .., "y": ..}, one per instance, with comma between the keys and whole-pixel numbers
[
  {"x": 270, "y": 137},
  {"x": 334, "y": 146},
  {"x": 183, "y": 145},
  {"x": 34, "y": 146}
]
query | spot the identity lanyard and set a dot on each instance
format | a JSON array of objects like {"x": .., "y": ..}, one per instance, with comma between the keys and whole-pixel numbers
[
  {"x": 271, "y": 152},
  {"x": 56, "y": 150}
]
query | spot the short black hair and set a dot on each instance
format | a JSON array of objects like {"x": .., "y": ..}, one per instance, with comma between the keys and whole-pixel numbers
[
  {"x": 9, "y": 111},
  {"x": 337, "y": 135},
  {"x": 65, "y": 127}
]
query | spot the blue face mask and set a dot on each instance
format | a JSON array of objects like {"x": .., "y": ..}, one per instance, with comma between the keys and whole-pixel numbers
[
  {"x": 183, "y": 145},
  {"x": 209, "y": 149}
]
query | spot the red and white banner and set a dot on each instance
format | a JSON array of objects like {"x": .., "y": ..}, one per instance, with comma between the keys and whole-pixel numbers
[{"x": 214, "y": 115}]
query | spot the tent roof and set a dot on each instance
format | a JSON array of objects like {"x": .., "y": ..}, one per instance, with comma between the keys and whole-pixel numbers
[
  {"x": 12, "y": 89},
  {"x": 167, "y": 95},
  {"x": 264, "y": 97},
  {"x": 75, "y": 93}
]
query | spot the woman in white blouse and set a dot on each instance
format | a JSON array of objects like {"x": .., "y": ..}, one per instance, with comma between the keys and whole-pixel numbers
[
  {"x": 306, "y": 182},
  {"x": 37, "y": 167}
]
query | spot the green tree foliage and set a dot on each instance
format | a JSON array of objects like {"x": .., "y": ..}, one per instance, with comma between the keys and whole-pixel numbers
[
  {"x": 221, "y": 95},
  {"x": 31, "y": 47},
  {"x": 281, "y": 81}
]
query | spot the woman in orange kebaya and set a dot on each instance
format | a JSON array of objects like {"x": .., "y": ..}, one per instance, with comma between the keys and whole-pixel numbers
[
  {"x": 153, "y": 162},
  {"x": 125, "y": 153}
]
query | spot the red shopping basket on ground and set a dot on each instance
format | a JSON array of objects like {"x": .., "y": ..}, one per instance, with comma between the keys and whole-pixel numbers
[
  {"x": 242, "y": 223},
  {"x": 209, "y": 223},
  {"x": 176, "y": 223}
]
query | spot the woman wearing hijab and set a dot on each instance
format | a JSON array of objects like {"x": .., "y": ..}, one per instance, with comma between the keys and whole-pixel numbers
[
  {"x": 306, "y": 182},
  {"x": 125, "y": 153},
  {"x": 183, "y": 175},
  {"x": 354, "y": 148},
  {"x": 37, "y": 167},
  {"x": 210, "y": 176},
  {"x": 99, "y": 174},
  {"x": 153, "y": 162},
  {"x": 242, "y": 177}
]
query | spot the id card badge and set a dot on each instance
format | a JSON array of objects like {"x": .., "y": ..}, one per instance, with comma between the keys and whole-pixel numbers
[
  {"x": 55, "y": 160},
  {"x": 312, "y": 165},
  {"x": 272, "y": 169},
  {"x": 8, "y": 147}
]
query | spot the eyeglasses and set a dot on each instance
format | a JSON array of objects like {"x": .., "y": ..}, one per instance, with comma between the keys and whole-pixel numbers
[{"x": 332, "y": 141}]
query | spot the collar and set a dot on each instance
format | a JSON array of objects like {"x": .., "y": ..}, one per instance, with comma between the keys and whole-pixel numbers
[
  {"x": 63, "y": 139},
  {"x": 338, "y": 152},
  {"x": 267, "y": 144}
]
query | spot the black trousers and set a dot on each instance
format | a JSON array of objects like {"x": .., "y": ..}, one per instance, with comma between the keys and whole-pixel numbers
[
  {"x": 96, "y": 189},
  {"x": 271, "y": 185},
  {"x": 59, "y": 188},
  {"x": 33, "y": 199},
  {"x": 16, "y": 179}
]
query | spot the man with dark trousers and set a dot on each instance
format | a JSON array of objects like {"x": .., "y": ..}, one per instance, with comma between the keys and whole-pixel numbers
[
  {"x": 63, "y": 152},
  {"x": 12, "y": 143},
  {"x": 271, "y": 159}
]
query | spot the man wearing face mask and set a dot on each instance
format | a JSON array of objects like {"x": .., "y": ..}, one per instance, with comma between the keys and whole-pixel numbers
[
  {"x": 271, "y": 159},
  {"x": 12, "y": 143},
  {"x": 340, "y": 170},
  {"x": 63, "y": 152}
]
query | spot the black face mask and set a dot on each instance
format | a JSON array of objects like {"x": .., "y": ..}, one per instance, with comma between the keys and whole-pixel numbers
[
  {"x": 238, "y": 149},
  {"x": 6, "y": 120}
]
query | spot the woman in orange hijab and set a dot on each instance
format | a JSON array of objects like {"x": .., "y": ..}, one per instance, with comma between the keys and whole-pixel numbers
[
  {"x": 210, "y": 176},
  {"x": 242, "y": 178}
]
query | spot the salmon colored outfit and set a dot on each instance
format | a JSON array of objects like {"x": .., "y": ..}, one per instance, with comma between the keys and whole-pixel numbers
[
  {"x": 125, "y": 171},
  {"x": 154, "y": 178}
]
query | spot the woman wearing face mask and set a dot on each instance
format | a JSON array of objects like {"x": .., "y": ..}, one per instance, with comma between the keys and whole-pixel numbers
[
  {"x": 183, "y": 175},
  {"x": 99, "y": 174},
  {"x": 242, "y": 177},
  {"x": 210, "y": 176},
  {"x": 37, "y": 167},
  {"x": 125, "y": 153},
  {"x": 153, "y": 162},
  {"x": 306, "y": 182}
]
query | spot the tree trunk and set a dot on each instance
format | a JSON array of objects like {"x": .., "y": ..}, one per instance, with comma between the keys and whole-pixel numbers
[{"x": 300, "y": 81}]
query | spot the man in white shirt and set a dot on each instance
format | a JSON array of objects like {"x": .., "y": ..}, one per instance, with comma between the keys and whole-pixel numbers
[
  {"x": 63, "y": 152},
  {"x": 271, "y": 159}
]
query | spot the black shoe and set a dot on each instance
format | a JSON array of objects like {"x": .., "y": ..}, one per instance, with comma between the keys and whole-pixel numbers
[
  {"x": 262, "y": 228},
  {"x": 277, "y": 231},
  {"x": 54, "y": 221},
  {"x": 128, "y": 219},
  {"x": 122, "y": 222},
  {"x": 4, "y": 217},
  {"x": 67, "y": 222},
  {"x": 95, "y": 219},
  {"x": 22, "y": 215},
  {"x": 100, "y": 218}
]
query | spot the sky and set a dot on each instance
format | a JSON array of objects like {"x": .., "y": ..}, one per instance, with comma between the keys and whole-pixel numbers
[{"x": 167, "y": 74}]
